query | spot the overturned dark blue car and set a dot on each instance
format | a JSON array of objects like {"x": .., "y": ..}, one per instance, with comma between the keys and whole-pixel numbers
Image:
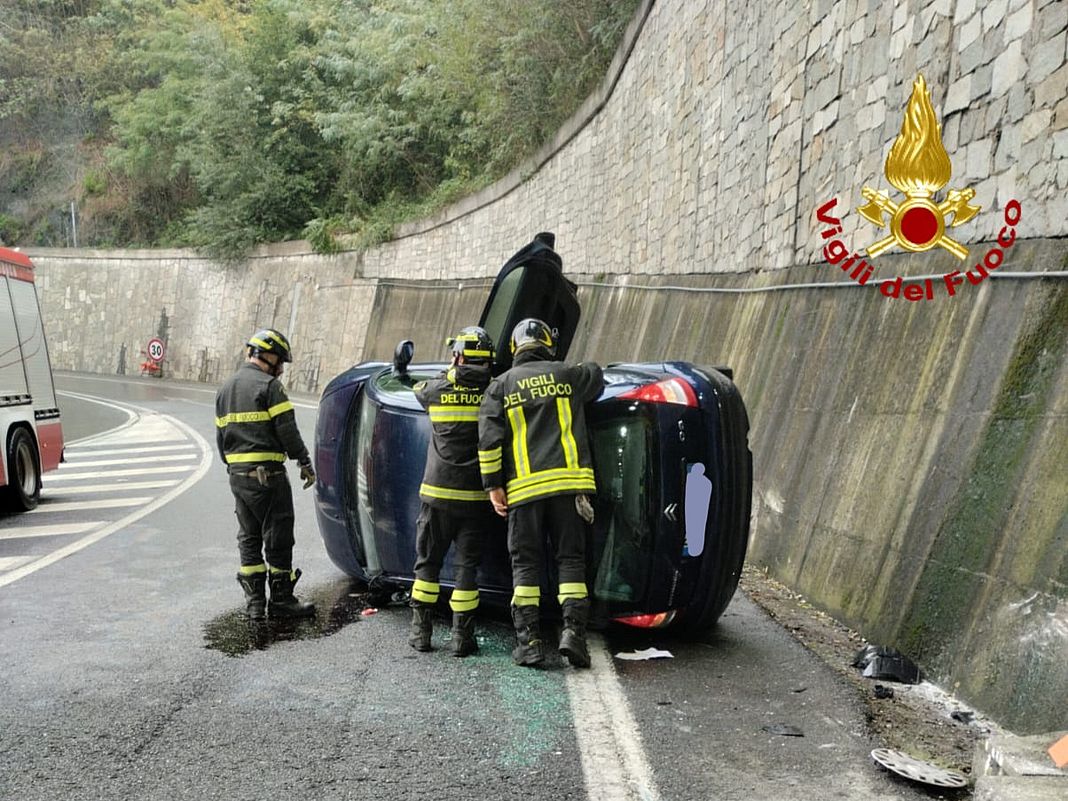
[{"x": 671, "y": 459}]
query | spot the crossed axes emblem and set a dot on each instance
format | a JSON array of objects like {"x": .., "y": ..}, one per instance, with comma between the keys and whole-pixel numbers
[{"x": 879, "y": 206}]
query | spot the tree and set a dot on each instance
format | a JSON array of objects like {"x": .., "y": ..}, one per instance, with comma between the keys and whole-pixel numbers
[{"x": 230, "y": 122}]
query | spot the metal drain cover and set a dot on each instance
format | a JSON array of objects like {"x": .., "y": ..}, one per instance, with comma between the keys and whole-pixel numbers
[{"x": 918, "y": 770}]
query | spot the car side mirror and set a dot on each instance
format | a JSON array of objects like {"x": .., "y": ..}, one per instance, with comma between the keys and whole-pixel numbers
[{"x": 402, "y": 356}]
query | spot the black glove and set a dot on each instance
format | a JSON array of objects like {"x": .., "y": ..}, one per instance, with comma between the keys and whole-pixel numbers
[{"x": 307, "y": 473}]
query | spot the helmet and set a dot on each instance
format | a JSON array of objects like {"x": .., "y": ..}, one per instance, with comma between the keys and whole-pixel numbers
[
  {"x": 532, "y": 333},
  {"x": 473, "y": 343},
  {"x": 267, "y": 340}
]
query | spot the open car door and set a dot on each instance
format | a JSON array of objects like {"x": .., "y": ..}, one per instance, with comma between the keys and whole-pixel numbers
[{"x": 531, "y": 284}]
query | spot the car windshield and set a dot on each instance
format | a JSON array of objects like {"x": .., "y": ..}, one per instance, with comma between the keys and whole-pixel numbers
[
  {"x": 364, "y": 509},
  {"x": 622, "y": 455}
]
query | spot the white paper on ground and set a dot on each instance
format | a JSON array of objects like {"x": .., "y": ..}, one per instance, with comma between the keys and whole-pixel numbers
[{"x": 648, "y": 653}]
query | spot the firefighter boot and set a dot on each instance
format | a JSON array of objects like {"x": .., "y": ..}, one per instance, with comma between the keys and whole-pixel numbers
[
  {"x": 283, "y": 603},
  {"x": 255, "y": 587},
  {"x": 422, "y": 626},
  {"x": 573, "y": 637},
  {"x": 528, "y": 651},
  {"x": 463, "y": 641}
]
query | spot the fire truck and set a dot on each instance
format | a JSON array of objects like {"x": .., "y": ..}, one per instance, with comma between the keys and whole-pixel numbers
[{"x": 31, "y": 435}]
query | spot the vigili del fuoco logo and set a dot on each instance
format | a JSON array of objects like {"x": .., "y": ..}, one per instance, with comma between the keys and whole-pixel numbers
[{"x": 918, "y": 166}]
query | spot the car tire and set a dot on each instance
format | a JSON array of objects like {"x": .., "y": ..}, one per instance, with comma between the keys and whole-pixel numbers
[{"x": 23, "y": 491}]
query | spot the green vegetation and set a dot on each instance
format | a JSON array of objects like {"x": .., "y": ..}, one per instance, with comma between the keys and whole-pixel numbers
[
  {"x": 225, "y": 123},
  {"x": 10, "y": 229}
]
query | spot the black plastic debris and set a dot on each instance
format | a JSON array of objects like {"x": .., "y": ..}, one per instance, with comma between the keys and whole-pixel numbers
[
  {"x": 963, "y": 716},
  {"x": 882, "y": 662},
  {"x": 882, "y": 691},
  {"x": 784, "y": 730}
]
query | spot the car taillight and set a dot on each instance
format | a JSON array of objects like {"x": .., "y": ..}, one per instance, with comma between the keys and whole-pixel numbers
[
  {"x": 656, "y": 621},
  {"x": 670, "y": 390}
]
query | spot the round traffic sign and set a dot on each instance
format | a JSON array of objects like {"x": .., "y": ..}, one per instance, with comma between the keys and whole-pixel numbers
[{"x": 155, "y": 349}]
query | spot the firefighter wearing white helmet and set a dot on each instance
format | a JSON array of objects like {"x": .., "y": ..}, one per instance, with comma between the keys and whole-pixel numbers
[
  {"x": 534, "y": 455},
  {"x": 256, "y": 429}
]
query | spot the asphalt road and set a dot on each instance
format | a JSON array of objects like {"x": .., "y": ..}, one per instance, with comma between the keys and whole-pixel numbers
[{"x": 128, "y": 672}]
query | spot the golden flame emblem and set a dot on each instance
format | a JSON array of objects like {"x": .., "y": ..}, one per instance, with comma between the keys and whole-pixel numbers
[{"x": 918, "y": 166}]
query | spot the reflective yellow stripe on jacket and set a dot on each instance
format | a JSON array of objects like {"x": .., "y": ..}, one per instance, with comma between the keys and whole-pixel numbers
[
  {"x": 280, "y": 408},
  {"x": 567, "y": 438},
  {"x": 447, "y": 494},
  {"x": 254, "y": 417},
  {"x": 544, "y": 482},
  {"x": 242, "y": 417},
  {"x": 520, "y": 453},
  {"x": 489, "y": 462},
  {"x": 453, "y": 414},
  {"x": 262, "y": 456}
]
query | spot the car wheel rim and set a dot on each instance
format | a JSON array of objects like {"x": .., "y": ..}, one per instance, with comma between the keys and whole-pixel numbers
[{"x": 27, "y": 470}]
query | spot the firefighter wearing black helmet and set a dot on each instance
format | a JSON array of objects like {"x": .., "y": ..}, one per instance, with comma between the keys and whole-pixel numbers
[
  {"x": 256, "y": 429},
  {"x": 535, "y": 460},
  {"x": 455, "y": 507}
]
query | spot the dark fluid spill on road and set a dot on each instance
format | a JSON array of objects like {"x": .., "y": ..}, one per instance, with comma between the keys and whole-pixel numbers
[{"x": 337, "y": 604}]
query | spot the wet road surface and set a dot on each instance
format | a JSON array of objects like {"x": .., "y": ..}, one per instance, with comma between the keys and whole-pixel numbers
[{"x": 129, "y": 673}]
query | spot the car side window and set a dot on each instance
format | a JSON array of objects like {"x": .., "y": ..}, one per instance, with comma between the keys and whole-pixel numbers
[{"x": 387, "y": 382}]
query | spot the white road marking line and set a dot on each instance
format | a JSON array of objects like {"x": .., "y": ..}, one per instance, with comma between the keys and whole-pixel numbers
[
  {"x": 49, "y": 531},
  {"x": 9, "y": 562},
  {"x": 77, "y": 506},
  {"x": 135, "y": 471},
  {"x": 60, "y": 493},
  {"x": 134, "y": 439},
  {"x": 82, "y": 452},
  {"x": 131, "y": 415},
  {"x": 176, "y": 457},
  {"x": 613, "y": 761},
  {"x": 176, "y": 388},
  {"x": 147, "y": 431},
  {"x": 118, "y": 525}
]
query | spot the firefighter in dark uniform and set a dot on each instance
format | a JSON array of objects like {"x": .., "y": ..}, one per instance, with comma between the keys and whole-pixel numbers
[
  {"x": 455, "y": 507},
  {"x": 534, "y": 455},
  {"x": 255, "y": 429}
]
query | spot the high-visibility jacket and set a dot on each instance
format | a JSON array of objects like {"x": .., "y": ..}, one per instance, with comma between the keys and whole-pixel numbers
[
  {"x": 451, "y": 479},
  {"x": 254, "y": 421},
  {"x": 532, "y": 429}
]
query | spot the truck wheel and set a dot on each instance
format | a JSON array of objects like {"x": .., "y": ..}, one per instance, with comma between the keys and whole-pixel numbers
[{"x": 24, "y": 473}]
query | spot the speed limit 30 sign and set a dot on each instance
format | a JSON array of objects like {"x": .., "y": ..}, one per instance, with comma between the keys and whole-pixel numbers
[{"x": 155, "y": 349}]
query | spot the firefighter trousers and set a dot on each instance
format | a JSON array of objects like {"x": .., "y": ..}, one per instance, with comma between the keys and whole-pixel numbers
[
  {"x": 529, "y": 525},
  {"x": 264, "y": 518},
  {"x": 437, "y": 529}
]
